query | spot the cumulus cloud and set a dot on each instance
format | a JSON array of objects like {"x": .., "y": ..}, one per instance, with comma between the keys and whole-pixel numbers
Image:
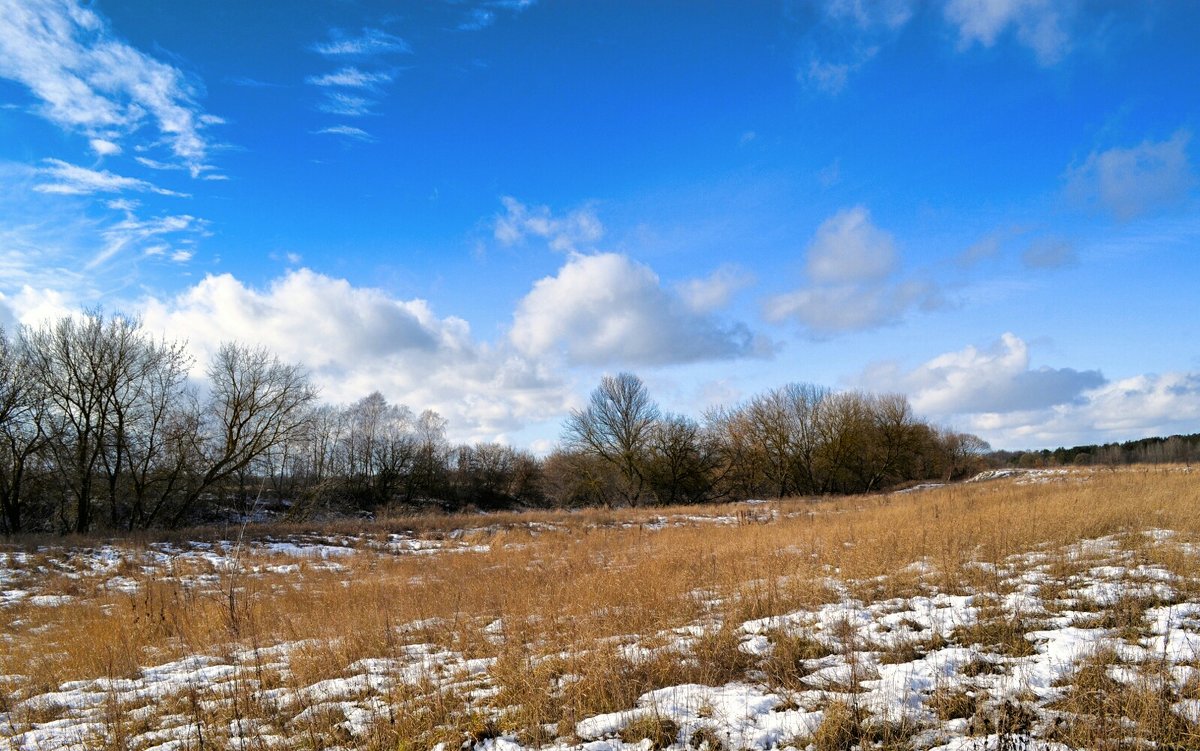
[
  {"x": 996, "y": 393},
  {"x": 995, "y": 379},
  {"x": 104, "y": 147},
  {"x": 849, "y": 248},
  {"x": 1129, "y": 182},
  {"x": 851, "y": 267},
  {"x": 714, "y": 291},
  {"x": 606, "y": 309},
  {"x": 355, "y": 340},
  {"x": 1135, "y": 407},
  {"x": 89, "y": 81},
  {"x": 578, "y": 229},
  {"x": 841, "y": 308},
  {"x": 1040, "y": 25},
  {"x": 31, "y": 306}
]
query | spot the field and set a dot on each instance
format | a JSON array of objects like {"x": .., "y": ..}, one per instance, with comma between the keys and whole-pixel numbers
[{"x": 1039, "y": 610}]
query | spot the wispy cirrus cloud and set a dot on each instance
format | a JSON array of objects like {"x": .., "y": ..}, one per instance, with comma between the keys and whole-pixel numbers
[
  {"x": 134, "y": 233},
  {"x": 484, "y": 15},
  {"x": 354, "y": 90},
  {"x": 87, "y": 80},
  {"x": 64, "y": 178},
  {"x": 347, "y": 131},
  {"x": 369, "y": 42},
  {"x": 349, "y": 105},
  {"x": 351, "y": 77}
]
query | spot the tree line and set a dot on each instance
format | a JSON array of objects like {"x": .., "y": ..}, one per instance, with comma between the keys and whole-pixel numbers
[
  {"x": 101, "y": 427},
  {"x": 1175, "y": 449}
]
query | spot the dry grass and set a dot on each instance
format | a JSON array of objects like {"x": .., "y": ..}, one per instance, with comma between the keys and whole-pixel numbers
[{"x": 554, "y": 601}]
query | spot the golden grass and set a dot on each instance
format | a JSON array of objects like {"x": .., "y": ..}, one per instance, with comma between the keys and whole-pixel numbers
[{"x": 557, "y": 597}]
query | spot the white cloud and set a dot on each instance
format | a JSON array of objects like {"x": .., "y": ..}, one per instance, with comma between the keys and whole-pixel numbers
[
  {"x": 31, "y": 306},
  {"x": 995, "y": 379},
  {"x": 64, "y": 178},
  {"x": 607, "y": 309},
  {"x": 988, "y": 246},
  {"x": 348, "y": 105},
  {"x": 348, "y": 131},
  {"x": 132, "y": 232},
  {"x": 1127, "y": 409},
  {"x": 849, "y": 248},
  {"x": 1133, "y": 181},
  {"x": 851, "y": 267},
  {"x": 351, "y": 77},
  {"x": 89, "y": 81},
  {"x": 828, "y": 310},
  {"x": 103, "y": 147},
  {"x": 714, "y": 291},
  {"x": 483, "y": 16},
  {"x": 830, "y": 77},
  {"x": 579, "y": 229},
  {"x": 344, "y": 87},
  {"x": 891, "y": 14},
  {"x": 1038, "y": 24},
  {"x": 1049, "y": 253},
  {"x": 994, "y": 392},
  {"x": 479, "y": 18},
  {"x": 368, "y": 43},
  {"x": 847, "y": 36},
  {"x": 356, "y": 340}
]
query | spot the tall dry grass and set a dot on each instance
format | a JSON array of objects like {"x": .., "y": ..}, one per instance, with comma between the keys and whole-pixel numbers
[{"x": 557, "y": 596}]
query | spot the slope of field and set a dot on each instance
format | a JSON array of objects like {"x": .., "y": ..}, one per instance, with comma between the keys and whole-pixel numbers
[{"x": 1054, "y": 610}]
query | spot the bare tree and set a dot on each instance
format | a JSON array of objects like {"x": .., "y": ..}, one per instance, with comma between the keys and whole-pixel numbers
[
  {"x": 255, "y": 403},
  {"x": 617, "y": 426},
  {"x": 96, "y": 372},
  {"x": 963, "y": 452},
  {"x": 23, "y": 428},
  {"x": 682, "y": 461}
]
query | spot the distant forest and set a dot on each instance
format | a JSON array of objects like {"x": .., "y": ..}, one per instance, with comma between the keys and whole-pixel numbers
[
  {"x": 1176, "y": 449},
  {"x": 102, "y": 430}
]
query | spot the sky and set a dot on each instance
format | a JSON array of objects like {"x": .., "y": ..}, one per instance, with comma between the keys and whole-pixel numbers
[{"x": 483, "y": 206}]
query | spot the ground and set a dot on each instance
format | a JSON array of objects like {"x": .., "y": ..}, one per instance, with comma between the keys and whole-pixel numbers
[{"x": 1038, "y": 610}]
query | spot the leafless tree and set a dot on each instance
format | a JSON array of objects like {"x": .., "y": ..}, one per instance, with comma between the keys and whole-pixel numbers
[
  {"x": 98, "y": 373},
  {"x": 682, "y": 461},
  {"x": 617, "y": 426},
  {"x": 256, "y": 403},
  {"x": 23, "y": 428}
]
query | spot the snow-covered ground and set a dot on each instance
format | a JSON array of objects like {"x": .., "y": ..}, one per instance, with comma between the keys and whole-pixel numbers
[{"x": 892, "y": 663}]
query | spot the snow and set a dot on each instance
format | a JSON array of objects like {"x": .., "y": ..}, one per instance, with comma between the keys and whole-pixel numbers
[{"x": 870, "y": 645}]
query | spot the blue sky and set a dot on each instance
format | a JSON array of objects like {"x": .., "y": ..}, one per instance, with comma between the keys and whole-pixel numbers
[{"x": 481, "y": 206}]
